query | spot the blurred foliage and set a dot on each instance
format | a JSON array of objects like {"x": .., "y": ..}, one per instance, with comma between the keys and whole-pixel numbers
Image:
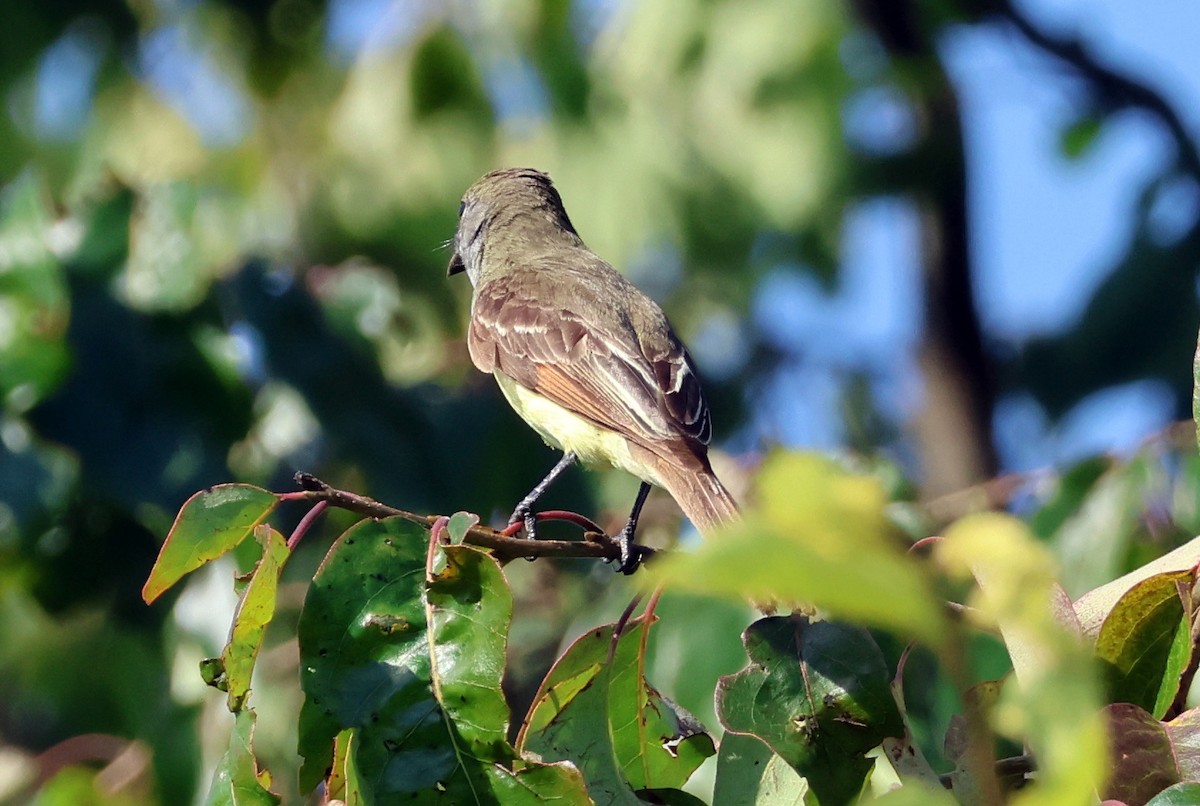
[{"x": 219, "y": 260}]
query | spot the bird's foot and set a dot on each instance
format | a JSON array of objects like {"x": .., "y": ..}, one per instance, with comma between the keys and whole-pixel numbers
[
  {"x": 523, "y": 514},
  {"x": 631, "y": 553}
]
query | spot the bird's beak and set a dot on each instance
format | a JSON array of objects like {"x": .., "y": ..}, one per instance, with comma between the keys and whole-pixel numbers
[{"x": 456, "y": 265}]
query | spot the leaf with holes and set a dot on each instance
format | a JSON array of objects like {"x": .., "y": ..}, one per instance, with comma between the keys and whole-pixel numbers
[{"x": 254, "y": 613}]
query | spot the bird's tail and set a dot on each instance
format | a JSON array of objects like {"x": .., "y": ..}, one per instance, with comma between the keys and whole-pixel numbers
[{"x": 701, "y": 496}]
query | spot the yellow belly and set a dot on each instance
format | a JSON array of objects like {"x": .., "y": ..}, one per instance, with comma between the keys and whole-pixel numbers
[{"x": 567, "y": 431}]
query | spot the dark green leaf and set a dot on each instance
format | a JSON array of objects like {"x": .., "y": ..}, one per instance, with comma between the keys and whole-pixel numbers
[
  {"x": 818, "y": 693},
  {"x": 1080, "y": 135},
  {"x": 1184, "y": 794},
  {"x": 210, "y": 524},
  {"x": 1145, "y": 643},
  {"x": 415, "y": 671}
]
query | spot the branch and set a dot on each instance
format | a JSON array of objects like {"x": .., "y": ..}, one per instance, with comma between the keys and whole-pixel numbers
[
  {"x": 1011, "y": 771},
  {"x": 596, "y": 544},
  {"x": 1121, "y": 89}
]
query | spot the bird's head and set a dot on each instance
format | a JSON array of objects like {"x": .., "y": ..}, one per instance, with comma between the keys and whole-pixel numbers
[{"x": 512, "y": 208}]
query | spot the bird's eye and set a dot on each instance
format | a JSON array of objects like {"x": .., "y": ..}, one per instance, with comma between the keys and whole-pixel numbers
[{"x": 462, "y": 205}]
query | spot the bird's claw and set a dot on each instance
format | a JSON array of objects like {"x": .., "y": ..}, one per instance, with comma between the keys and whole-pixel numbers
[
  {"x": 524, "y": 515},
  {"x": 631, "y": 554}
]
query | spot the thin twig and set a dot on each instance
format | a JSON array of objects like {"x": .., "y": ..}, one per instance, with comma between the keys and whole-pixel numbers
[
  {"x": 1011, "y": 771},
  {"x": 597, "y": 545},
  {"x": 1118, "y": 89},
  {"x": 305, "y": 523}
]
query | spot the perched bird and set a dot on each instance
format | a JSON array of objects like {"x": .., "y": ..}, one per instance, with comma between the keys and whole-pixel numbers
[{"x": 588, "y": 360}]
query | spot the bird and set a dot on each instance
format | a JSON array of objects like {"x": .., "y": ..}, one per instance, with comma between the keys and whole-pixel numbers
[{"x": 583, "y": 356}]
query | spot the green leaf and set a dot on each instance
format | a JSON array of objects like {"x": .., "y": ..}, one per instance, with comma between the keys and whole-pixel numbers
[
  {"x": 343, "y": 783},
  {"x": 414, "y": 669},
  {"x": 237, "y": 781},
  {"x": 1186, "y": 794},
  {"x": 254, "y": 613},
  {"x": 915, "y": 794},
  {"x": 819, "y": 536},
  {"x": 1091, "y": 544},
  {"x": 1068, "y": 492},
  {"x": 1142, "y": 760},
  {"x": 1145, "y": 643},
  {"x": 210, "y": 524},
  {"x": 603, "y": 715},
  {"x": 460, "y": 523},
  {"x": 818, "y": 693},
  {"x": 1080, "y": 135},
  {"x": 34, "y": 297},
  {"x": 749, "y": 773}
]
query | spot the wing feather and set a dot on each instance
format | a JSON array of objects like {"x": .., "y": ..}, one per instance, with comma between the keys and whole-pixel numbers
[{"x": 598, "y": 351}]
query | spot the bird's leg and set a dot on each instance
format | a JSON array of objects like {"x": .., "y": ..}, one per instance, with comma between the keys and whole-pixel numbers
[
  {"x": 524, "y": 510},
  {"x": 631, "y": 553}
]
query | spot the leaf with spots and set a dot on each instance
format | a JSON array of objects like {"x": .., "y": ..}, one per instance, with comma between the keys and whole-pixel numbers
[{"x": 413, "y": 668}]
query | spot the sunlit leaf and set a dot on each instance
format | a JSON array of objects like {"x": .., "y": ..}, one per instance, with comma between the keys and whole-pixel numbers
[
  {"x": 749, "y": 773},
  {"x": 237, "y": 780},
  {"x": 1146, "y": 642},
  {"x": 254, "y": 613},
  {"x": 818, "y": 693},
  {"x": 1094, "y": 606},
  {"x": 343, "y": 784},
  {"x": 819, "y": 536},
  {"x": 600, "y": 713},
  {"x": 210, "y": 524},
  {"x": 460, "y": 523}
]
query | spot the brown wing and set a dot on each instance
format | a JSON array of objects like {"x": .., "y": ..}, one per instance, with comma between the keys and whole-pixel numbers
[{"x": 583, "y": 340}]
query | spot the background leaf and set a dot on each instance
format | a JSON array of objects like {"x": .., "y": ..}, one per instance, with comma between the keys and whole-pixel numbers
[{"x": 819, "y": 536}]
